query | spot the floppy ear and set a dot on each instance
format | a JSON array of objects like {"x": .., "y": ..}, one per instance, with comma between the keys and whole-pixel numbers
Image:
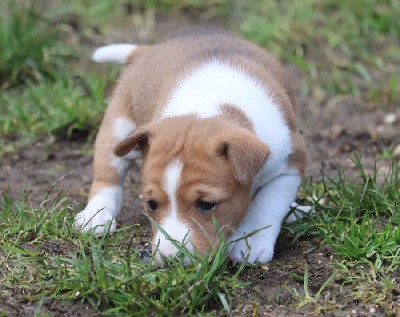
[
  {"x": 246, "y": 153},
  {"x": 139, "y": 138}
]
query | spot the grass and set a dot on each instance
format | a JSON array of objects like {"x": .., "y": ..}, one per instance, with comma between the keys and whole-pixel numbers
[
  {"x": 107, "y": 272},
  {"x": 46, "y": 92},
  {"x": 52, "y": 108},
  {"x": 71, "y": 106},
  {"x": 360, "y": 219},
  {"x": 342, "y": 47},
  {"x": 309, "y": 298},
  {"x": 32, "y": 48}
]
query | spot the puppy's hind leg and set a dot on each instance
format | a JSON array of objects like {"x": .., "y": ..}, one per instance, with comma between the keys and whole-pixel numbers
[{"x": 105, "y": 198}]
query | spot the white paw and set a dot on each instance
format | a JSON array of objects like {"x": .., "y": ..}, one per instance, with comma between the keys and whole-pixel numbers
[
  {"x": 101, "y": 210},
  {"x": 95, "y": 219},
  {"x": 256, "y": 248}
]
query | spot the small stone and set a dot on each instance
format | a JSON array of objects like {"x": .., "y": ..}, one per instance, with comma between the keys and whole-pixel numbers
[
  {"x": 396, "y": 292},
  {"x": 390, "y": 118},
  {"x": 317, "y": 240},
  {"x": 264, "y": 267},
  {"x": 396, "y": 151},
  {"x": 336, "y": 132},
  {"x": 372, "y": 310},
  {"x": 380, "y": 129}
]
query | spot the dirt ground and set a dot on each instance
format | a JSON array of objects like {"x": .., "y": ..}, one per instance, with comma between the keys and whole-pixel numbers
[{"x": 334, "y": 129}]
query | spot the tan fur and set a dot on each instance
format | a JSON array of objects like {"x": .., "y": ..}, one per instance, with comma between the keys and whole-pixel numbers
[
  {"x": 298, "y": 158},
  {"x": 164, "y": 70}
]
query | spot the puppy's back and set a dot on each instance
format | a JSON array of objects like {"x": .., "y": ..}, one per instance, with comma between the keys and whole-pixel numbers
[{"x": 154, "y": 71}]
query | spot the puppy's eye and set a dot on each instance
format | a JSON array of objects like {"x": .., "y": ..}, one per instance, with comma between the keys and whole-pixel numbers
[
  {"x": 205, "y": 206},
  {"x": 152, "y": 205}
]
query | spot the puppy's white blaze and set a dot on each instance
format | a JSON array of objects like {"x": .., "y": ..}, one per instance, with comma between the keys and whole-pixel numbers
[
  {"x": 175, "y": 228},
  {"x": 123, "y": 127},
  {"x": 172, "y": 178},
  {"x": 118, "y": 53},
  {"x": 216, "y": 83}
]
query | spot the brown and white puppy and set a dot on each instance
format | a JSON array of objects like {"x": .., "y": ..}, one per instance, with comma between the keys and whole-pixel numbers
[{"x": 213, "y": 119}]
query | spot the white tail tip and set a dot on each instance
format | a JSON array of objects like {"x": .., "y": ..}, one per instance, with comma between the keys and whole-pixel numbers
[{"x": 118, "y": 53}]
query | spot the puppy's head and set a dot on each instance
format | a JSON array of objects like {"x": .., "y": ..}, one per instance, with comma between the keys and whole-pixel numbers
[{"x": 195, "y": 169}]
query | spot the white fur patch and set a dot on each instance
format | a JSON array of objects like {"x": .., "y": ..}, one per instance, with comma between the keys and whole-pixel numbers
[
  {"x": 213, "y": 84},
  {"x": 123, "y": 127},
  {"x": 172, "y": 224},
  {"x": 103, "y": 207},
  {"x": 172, "y": 179},
  {"x": 113, "y": 53}
]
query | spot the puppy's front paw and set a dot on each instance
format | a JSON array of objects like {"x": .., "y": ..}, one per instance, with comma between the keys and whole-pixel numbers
[
  {"x": 91, "y": 218},
  {"x": 256, "y": 248}
]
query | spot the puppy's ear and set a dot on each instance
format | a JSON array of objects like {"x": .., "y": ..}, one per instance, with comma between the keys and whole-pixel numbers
[
  {"x": 246, "y": 153},
  {"x": 139, "y": 138}
]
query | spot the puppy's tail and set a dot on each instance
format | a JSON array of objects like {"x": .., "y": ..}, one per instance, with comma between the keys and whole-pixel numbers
[{"x": 119, "y": 53}]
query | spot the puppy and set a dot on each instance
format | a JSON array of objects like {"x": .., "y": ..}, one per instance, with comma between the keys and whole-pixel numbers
[{"x": 213, "y": 118}]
